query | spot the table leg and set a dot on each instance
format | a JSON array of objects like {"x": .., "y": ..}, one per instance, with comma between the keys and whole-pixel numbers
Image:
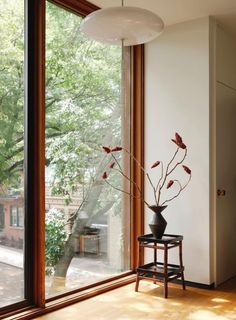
[
  {"x": 155, "y": 255},
  {"x": 139, "y": 264},
  {"x": 137, "y": 282},
  {"x": 165, "y": 270},
  {"x": 139, "y": 254},
  {"x": 181, "y": 264},
  {"x": 155, "y": 262}
]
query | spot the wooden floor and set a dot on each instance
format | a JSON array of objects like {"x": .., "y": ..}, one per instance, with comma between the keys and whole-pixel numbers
[{"x": 125, "y": 304}]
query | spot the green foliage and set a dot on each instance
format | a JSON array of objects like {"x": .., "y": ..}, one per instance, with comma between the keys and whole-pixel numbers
[
  {"x": 11, "y": 91},
  {"x": 82, "y": 95},
  {"x": 83, "y": 111},
  {"x": 83, "y": 102},
  {"x": 56, "y": 237}
]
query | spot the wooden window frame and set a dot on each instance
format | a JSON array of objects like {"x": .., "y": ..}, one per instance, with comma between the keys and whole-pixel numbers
[{"x": 35, "y": 303}]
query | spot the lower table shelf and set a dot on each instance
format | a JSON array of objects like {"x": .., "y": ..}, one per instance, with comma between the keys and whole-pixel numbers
[{"x": 157, "y": 269}]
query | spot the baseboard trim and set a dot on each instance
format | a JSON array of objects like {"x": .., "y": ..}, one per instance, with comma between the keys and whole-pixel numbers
[{"x": 196, "y": 284}]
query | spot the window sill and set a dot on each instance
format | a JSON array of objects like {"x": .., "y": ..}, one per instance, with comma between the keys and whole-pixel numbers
[
  {"x": 17, "y": 227},
  {"x": 67, "y": 300}
]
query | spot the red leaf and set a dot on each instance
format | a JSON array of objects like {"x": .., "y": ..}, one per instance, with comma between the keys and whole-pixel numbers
[
  {"x": 186, "y": 169},
  {"x": 178, "y": 138},
  {"x": 175, "y": 142},
  {"x": 155, "y": 164},
  {"x": 105, "y": 175},
  {"x": 112, "y": 165},
  {"x": 116, "y": 149},
  {"x": 169, "y": 184},
  {"x": 106, "y": 149},
  {"x": 182, "y": 145}
]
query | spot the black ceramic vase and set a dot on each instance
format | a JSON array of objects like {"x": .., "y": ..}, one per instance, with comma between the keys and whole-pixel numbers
[{"x": 158, "y": 223}]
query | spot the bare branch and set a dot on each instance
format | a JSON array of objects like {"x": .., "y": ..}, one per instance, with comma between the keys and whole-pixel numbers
[
  {"x": 154, "y": 190},
  {"x": 166, "y": 174},
  {"x": 178, "y": 163},
  {"x": 14, "y": 153},
  {"x": 116, "y": 188},
  {"x": 16, "y": 164},
  {"x": 158, "y": 183},
  {"x": 180, "y": 190}
]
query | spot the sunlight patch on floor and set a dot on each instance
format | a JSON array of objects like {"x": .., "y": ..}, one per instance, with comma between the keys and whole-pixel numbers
[
  {"x": 220, "y": 300},
  {"x": 217, "y": 307},
  {"x": 107, "y": 299},
  {"x": 205, "y": 315},
  {"x": 176, "y": 304},
  {"x": 142, "y": 307}
]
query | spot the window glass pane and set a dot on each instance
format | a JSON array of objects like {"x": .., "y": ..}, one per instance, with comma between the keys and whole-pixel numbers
[
  {"x": 87, "y": 222},
  {"x": 11, "y": 151}
]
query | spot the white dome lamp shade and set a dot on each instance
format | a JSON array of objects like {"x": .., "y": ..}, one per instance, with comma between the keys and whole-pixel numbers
[{"x": 127, "y": 25}]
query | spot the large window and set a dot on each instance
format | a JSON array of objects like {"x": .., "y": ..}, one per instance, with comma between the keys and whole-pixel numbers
[
  {"x": 11, "y": 151},
  {"x": 87, "y": 239},
  {"x": 62, "y": 228}
]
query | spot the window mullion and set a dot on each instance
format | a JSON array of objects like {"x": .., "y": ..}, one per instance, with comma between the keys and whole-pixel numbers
[{"x": 34, "y": 150}]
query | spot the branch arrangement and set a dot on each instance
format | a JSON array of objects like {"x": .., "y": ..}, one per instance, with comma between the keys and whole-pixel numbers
[{"x": 164, "y": 180}]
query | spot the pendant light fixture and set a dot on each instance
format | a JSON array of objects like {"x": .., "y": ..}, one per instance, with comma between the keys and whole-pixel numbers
[{"x": 122, "y": 25}]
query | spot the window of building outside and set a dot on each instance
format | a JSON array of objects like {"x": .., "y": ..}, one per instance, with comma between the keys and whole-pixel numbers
[
  {"x": 14, "y": 217},
  {"x": 87, "y": 221},
  {"x": 17, "y": 217},
  {"x": 11, "y": 151},
  {"x": 2, "y": 217}
]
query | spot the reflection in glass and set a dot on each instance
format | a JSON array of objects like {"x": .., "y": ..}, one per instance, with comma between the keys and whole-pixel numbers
[{"x": 87, "y": 222}]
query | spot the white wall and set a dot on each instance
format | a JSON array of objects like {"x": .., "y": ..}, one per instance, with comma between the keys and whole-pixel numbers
[
  {"x": 177, "y": 99},
  {"x": 225, "y": 57}
]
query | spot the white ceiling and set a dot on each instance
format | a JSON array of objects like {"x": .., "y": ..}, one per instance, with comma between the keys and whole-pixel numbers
[{"x": 175, "y": 11}]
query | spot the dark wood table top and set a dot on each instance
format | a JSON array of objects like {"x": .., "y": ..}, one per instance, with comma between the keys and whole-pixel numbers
[{"x": 167, "y": 238}]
